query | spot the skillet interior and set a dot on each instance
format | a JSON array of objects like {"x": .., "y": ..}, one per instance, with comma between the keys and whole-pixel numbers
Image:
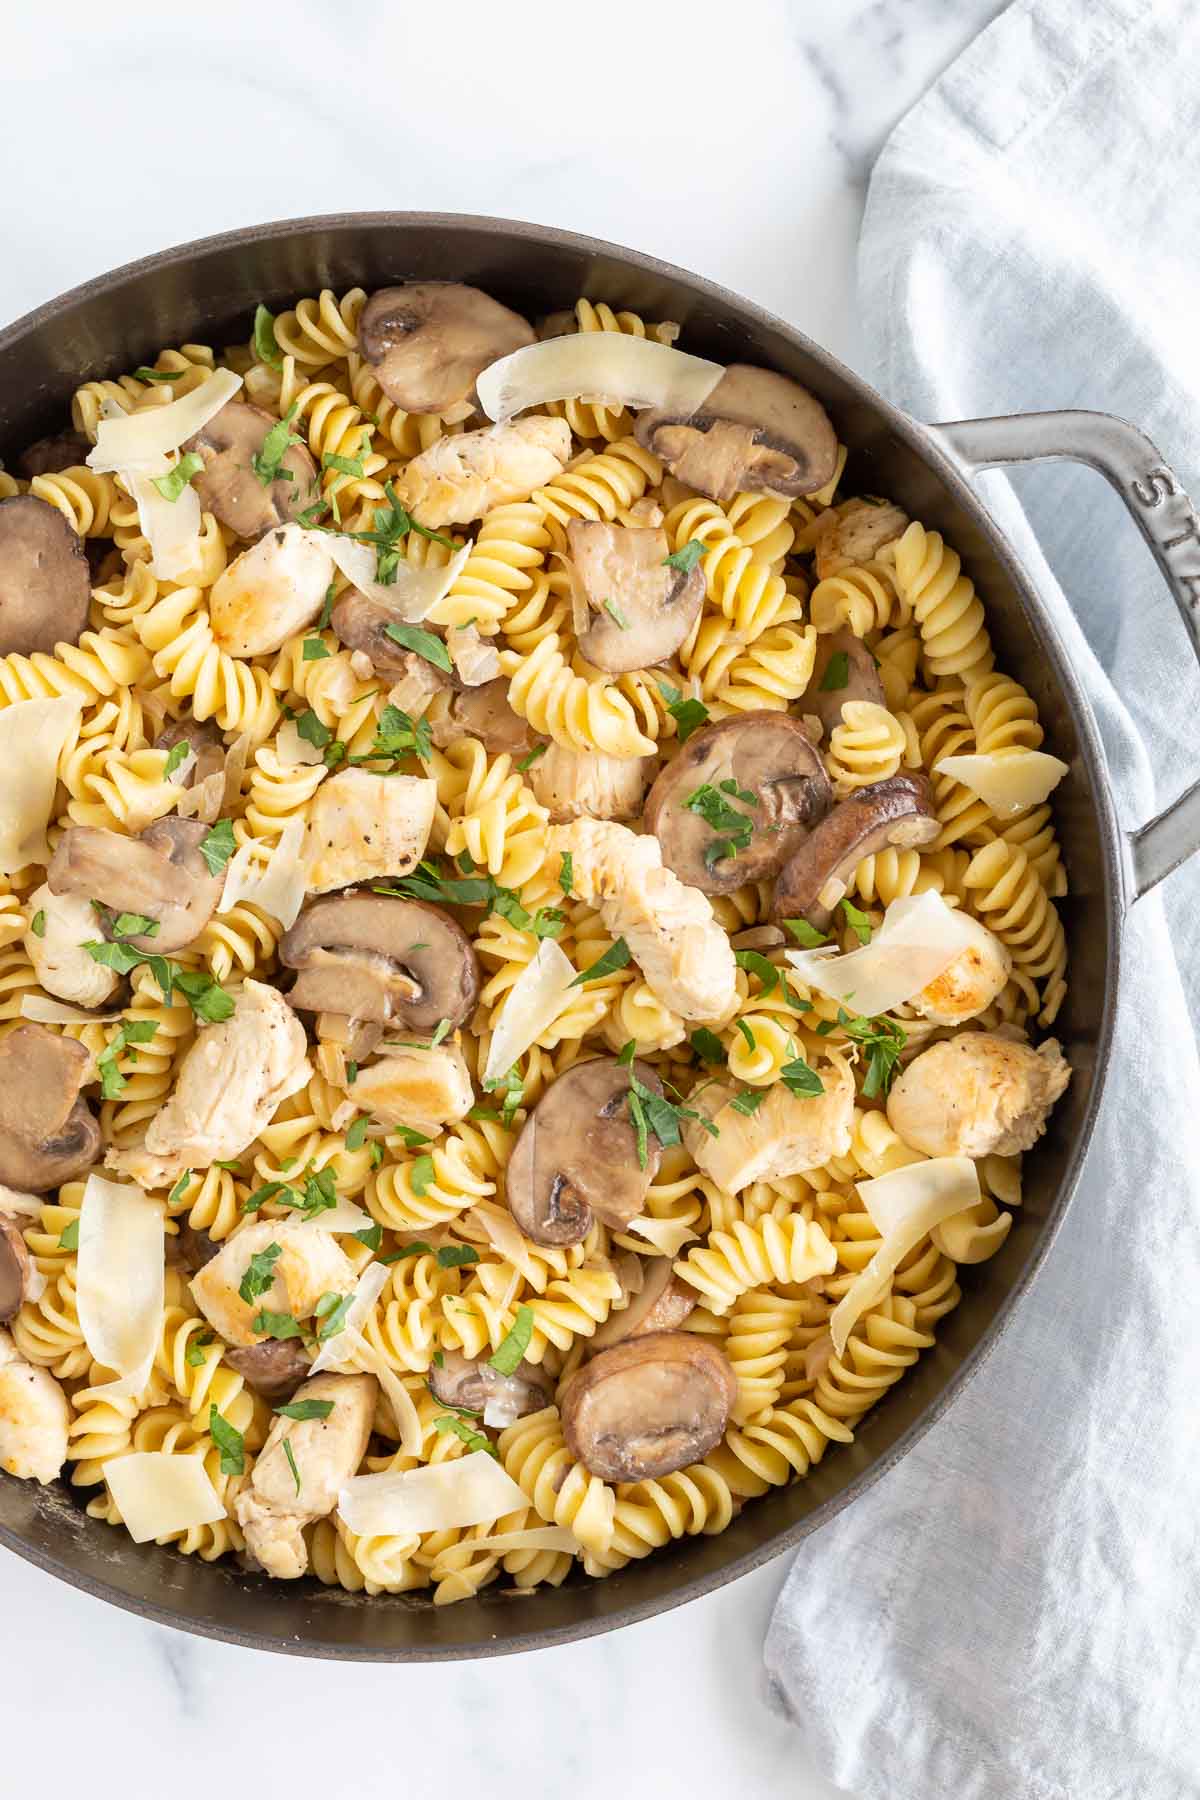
[{"x": 206, "y": 293}]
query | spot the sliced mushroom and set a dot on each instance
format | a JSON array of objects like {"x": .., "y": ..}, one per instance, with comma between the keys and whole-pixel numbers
[
  {"x": 361, "y": 624},
  {"x": 640, "y": 607},
  {"x": 47, "y": 1133},
  {"x": 898, "y": 812},
  {"x": 51, "y": 455},
  {"x": 765, "y": 755},
  {"x": 661, "y": 1304},
  {"x": 16, "y": 1266},
  {"x": 429, "y": 341},
  {"x": 758, "y": 432},
  {"x": 577, "y": 1155},
  {"x": 274, "y": 1369},
  {"x": 844, "y": 670},
  {"x": 205, "y": 742},
  {"x": 484, "y": 713},
  {"x": 228, "y": 486},
  {"x": 648, "y": 1406},
  {"x": 474, "y": 1384},
  {"x": 45, "y": 582},
  {"x": 391, "y": 961},
  {"x": 194, "y": 1248},
  {"x": 855, "y": 533},
  {"x": 160, "y": 875}
]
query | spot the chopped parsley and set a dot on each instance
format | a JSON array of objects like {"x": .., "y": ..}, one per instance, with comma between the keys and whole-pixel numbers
[
  {"x": 748, "y": 1101},
  {"x": 398, "y": 734},
  {"x": 408, "y": 1134},
  {"x": 349, "y": 465},
  {"x": 805, "y": 934},
  {"x": 38, "y": 924},
  {"x": 276, "y": 1325},
  {"x": 290, "y": 1454},
  {"x": 217, "y": 846},
  {"x": 370, "y": 1235},
  {"x": 318, "y": 1194},
  {"x": 327, "y": 607},
  {"x": 70, "y": 1237},
  {"x": 356, "y": 1136},
  {"x": 180, "y": 1188},
  {"x": 266, "y": 345},
  {"x": 686, "y": 558},
  {"x": 735, "y": 827},
  {"x": 127, "y": 925},
  {"x": 421, "y": 1175},
  {"x": 515, "y": 1344},
  {"x": 800, "y": 1079},
  {"x": 310, "y": 728},
  {"x": 229, "y": 1442},
  {"x": 178, "y": 754},
  {"x": 206, "y": 997},
  {"x": 267, "y": 463},
  {"x": 260, "y": 1272},
  {"x": 195, "y": 1355},
  {"x": 130, "y": 1031},
  {"x": 654, "y": 1113},
  {"x": 883, "y": 1040},
  {"x": 314, "y": 649},
  {"x": 747, "y": 1033},
  {"x": 526, "y": 763},
  {"x": 332, "y": 1309},
  {"x": 757, "y": 964},
  {"x": 422, "y": 643},
  {"x": 305, "y": 1409},
  {"x": 708, "y": 1046},
  {"x": 837, "y": 673},
  {"x": 566, "y": 873},
  {"x": 455, "y": 1256},
  {"x": 688, "y": 715},
  {"x": 145, "y": 374},
  {"x": 388, "y": 530},
  {"x": 616, "y": 615},
  {"x": 513, "y": 1089},
  {"x": 858, "y": 922},
  {"x": 172, "y": 484},
  {"x": 614, "y": 958},
  {"x": 474, "y": 1440}
]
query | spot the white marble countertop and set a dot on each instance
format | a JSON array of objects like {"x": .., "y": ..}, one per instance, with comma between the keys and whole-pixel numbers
[{"x": 735, "y": 141}]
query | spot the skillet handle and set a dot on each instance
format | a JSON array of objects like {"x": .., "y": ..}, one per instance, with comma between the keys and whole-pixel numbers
[{"x": 1166, "y": 518}]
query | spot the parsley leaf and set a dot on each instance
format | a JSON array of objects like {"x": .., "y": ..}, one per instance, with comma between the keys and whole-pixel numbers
[
  {"x": 515, "y": 1344},
  {"x": 260, "y": 1272},
  {"x": 806, "y": 934},
  {"x": 291, "y": 1457},
  {"x": 616, "y": 615},
  {"x": 145, "y": 374},
  {"x": 349, "y": 465},
  {"x": 398, "y": 734},
  {"x": 474, "y": 1440},
  {"x": 688, "y": 715},
  {"x": 314, "y": 649},
  {"x": 883, "y": 1040},
  {"x": 130, "y": 1031},
  {"x": 38, "y": 924},
  {"x": 332, "y": 1310},
  {"x": 70, "y": 1237},
  {"x": 613, "y": 959},
  {"x": 748, "y": 1101},
  {"x": 178, "y": 754},
  {"x": 180, "y": 1188},
  {"x": 327, "y": 607},
  {"x": 356, "y": 1136},
  {"x": 304, "y": 1409},
  {"x": 229, "y": 1442},
  {"x": 266, "y": 345},
  {"x": 421, "y": 1175},
  {"x": 267, "y": 463},
  {"x": 310, "y": 728},
  {"x": 127, "y": 925},
  {"x": 276, "y": 1325},
  {"x": 217, "y": 845},
  {"x": 800, "y": 1079},
  {"x": 194, "y": 1356},
  {"x": 757, "y": 964},
  {"x": 837, "y": 673},
  {"x": 455, "y": 1256},
  {"x": 527, "y": 762},
  {"x": 370, "y": 1235},
  {"x": 652, "y": 1112},
  {"x": 172, "y": 484},
  {"x": 423, "y": 643},
  {"x": 858, "y": 922},
  {"x": 686, "y": 557},
  {"x": 388, "y": 530},
  {"x": 566, "y": 873},
  {"x": 708, "y": 1046},
  {"x": 736, "y": 827},
  {"x": 747, "y": 1033},
  {"x": 206, "y": 997}
]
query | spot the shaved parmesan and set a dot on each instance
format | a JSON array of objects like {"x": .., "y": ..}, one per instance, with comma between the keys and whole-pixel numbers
[
  {"x": 404, "y": 1411},
  {"x": 905, "y": 1206},
  {"x": 1007, "y": 781},
  {"x": 469, "y": 1490},
  {"x": 33, "y": 734},
  {"x": 537, "y": 1537},
  {"x": 291, "y": 749},
  {"x": 919, "y": 938},
  {"x": 57, "y": 1012},
  {"x": 667, "y": 1235},
  {"x": 279, "y": 888},
  {"x": 158, "y": 1494},
  {"x": 413, "y": 592},
  {"x": 339, "y": 1351},
  {"x": 506, "y": 1236},
  {"x": 606, "y": 366},
  {"x": 170, "y": 527},
  {"x": 474, "y": 661},
  {"x": 540, "y": 993},
  {"x": 343, "y": 1216},
  {"x": 137, "y": 442},
  {"x": 120, "y": 1279}
]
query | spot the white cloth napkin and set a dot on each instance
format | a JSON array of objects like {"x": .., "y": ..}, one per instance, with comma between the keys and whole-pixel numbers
[{"x": 1014, "y": 1611}]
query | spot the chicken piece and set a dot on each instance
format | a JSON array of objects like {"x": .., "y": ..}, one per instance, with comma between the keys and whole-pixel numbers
[
  {"x": 270, "y": 591},
  {"x": 34, "y": 1416},
  {"x": 281, "y": 1498},
  {"x": 230, "y": 1082},
  {"x": 461, "y": 478},
  {"x": 589, "y": 784},
  {"x": 969, "y": 983},
  {"x": 978, "y": 1094},
  {"x": 786, "y": 1134},
  {"x": 855, "y": 534},
  {"x": 363, "y": 826},
  {"x": 310, "y": 1263},
  {"x": 670, "y": 929},
  {"x": 66, "y": 922},
  {"x": 418, "y": 1087}
]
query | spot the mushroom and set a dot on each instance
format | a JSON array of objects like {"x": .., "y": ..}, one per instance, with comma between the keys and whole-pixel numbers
[
  {"x": 662, "y": 1303},
  {"x": 228, "y": 486},
  {"x": 51, "y": 455},
  {"x": 640, "y": 606},
  {"x": 205, "y": 742},
  {"x": 578, "y": 1155},
  {"x": 65, "y": 923},
  {"x": 855, "y": 533},
  {"x": 45, "y": 582},
  {"x": 740, "y": 798},
  {"x": 758, "y": 432},
  {"x": 590, "y": 784},
  {"x": 16, "y": 1269},
  {"x": 47, "y": 1133},
  {"x": 977, "y": 1094},
  {"x": 844, "y": 670},
  {"x": 428, "y": 342},
  {"x": 274, "y": 1369},
  {"x": 484, "y": 712},
  {"x": 161, "y": 875},
  {"x": 194, "y": 1248},
  {"x": 896, "y": 812},
  {"x": 648, "y": 1406},
  {"x": 361, "y": 624},
  {"x": 473, "y": 1384},
  {"x": 375, "y": 957}
]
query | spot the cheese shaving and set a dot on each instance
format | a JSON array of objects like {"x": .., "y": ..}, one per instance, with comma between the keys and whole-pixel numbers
[
  {"x": 537, "y": 997},
  {"x": 1007, "y": 781},
  {"x": 919, "y": 938},
  {"x": 158, "y": 1494},
  {"x": 344, "y": 1216},
  {"x": 33, "y": 735},
  {"x": 667, "y": 1235},
  {"x": 414, "y": 592},
  {"x": 57, "y": 1012},
  {"x": 170, "y": 527},
  {"x": 279, "y": 888},
  {"x": 120, "y": 1279},
  {"x": 468, "y": 1490},
  {"x": 339, "y": 1351},
  {"x": 608, "y": 367},
  {"x": 904, "y": 1206},
  {"x": 138, "y": 442}
]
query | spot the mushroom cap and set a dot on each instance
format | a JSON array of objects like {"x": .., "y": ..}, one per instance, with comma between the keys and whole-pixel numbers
[
  {"x": 471, "y": 1382},
  {"x": 160, "y": 874},
  {"x": 662, "y": 1303},
  {"x": 767, "y": 754},
  {"x": 361, "y": 624},
  {"x": 47, "y": 1133},
  {"x": 51, "y": 455},
  {"x": 273, "y": 1369},
  {"x": 45, "y": 582},
  {"x": 896, "y": 812},
  {"x": 194, "y": 1247},
  {"x": 641, "y": 609},
  {"x": 227, "y": 485},
  {"x": 758, "y": 432},
  {"x": 15, "y": 1266},
  {"x": 429, "y": 341},
  {"x": 484, "y": 712},
  {"x": 862, "y": 679},
  {"x": 377, "y": 957},
  {"x": 577, "y": 1155},
  {"x": 648, "y": 1406}
]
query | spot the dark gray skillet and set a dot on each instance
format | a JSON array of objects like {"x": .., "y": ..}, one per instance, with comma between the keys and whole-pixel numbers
[{"x": 206, "y": 292}]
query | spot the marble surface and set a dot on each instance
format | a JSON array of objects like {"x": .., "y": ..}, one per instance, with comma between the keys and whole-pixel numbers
[{"x": 735, "y": 141}]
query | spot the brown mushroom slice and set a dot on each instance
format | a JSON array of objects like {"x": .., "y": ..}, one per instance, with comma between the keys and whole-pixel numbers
[
  {"x": 844, "y": 670},
  {"x": 160, "y": 874},
  {"x": 484, "y": 712},
  {"x": 648, "y": 1406},
  {"x": 227, "y": 484},
  {"x": 691, "y": 807},
  {"x": 45, "y": 582},
  {"x": 640, "y": 607},
  {"x": 758, "y": 432},
  {"x": 16, "y": 1265},
  {"x": 194, "y": 1248},
  {"x": 429, "y": 341},
  {"x": 361, "y": 624},
  {"x": 47, "y": 1133},
  {"x": 51, "y": 455},
  {"x": 577, "y": 1155},
  {"x": 386, "y": 960},
  {"x": 662, "y": 1303},
  {"x": 897, "y": 813},
  {"x": 205, "y": 742},
  {"x": 274, "y": 1369},
  {"x": 472, "y": 1383}
]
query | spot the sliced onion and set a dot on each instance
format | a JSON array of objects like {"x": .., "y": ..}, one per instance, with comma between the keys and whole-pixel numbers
[
  {"x": 137, "y": 442},
  {"x": 607, "y": 366},
  {"x": 537, "y": 997},
  {"x": 474, "y": 661},
  {"x": 468, "y": 1490},
  {"x": 1007, "y": 781},
  {"x": 56, "y": 1012},
  {"x": 920, "y": 936}
]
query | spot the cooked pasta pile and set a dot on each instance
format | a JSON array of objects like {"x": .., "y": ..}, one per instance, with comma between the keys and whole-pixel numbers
[{"x": 760, "y": 1265}]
